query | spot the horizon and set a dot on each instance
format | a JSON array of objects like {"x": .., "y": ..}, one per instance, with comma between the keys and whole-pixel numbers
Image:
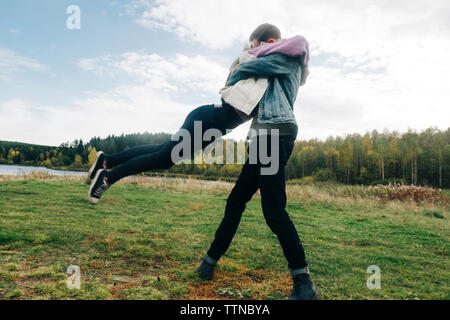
[
  {"x": 142, "y": 66},
  {"x": 343, "y": 136}
]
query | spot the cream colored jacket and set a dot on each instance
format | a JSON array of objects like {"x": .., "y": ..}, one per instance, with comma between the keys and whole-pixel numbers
[{"x": 245, "y": 94}]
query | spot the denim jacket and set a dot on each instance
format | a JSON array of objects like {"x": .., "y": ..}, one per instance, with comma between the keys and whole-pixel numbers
[{"x": 284, "y": 74}]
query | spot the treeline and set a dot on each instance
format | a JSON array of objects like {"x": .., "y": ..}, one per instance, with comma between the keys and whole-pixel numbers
[
  {"x": 74, "y": 155},
  {"x": 377, "y": 157},
  {"x": 410, "y": 158}
]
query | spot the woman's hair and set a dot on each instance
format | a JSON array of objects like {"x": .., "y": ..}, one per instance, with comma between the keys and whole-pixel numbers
[{"x": 264, "y": 32}]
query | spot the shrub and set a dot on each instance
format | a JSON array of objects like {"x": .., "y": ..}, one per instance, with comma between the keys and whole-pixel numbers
[
  {"x": 305, "y": 180},
  {"x": 386, "y": 182},
  {"x": 323, "y": 175},
  {"x": 404, "y": 192},
  {"x": 396, "y": 192}
]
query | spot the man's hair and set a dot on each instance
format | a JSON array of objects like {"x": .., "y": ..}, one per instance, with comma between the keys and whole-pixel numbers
[{"x": 264, "y": 32}]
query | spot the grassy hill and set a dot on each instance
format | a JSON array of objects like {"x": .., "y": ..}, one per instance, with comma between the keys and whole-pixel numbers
[{"x": 146, "y": 238}]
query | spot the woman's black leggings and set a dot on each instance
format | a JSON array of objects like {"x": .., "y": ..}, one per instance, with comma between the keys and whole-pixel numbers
[{"x": 159, "y": 156}]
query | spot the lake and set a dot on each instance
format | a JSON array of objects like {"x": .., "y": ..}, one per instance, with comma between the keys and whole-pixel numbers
[{"x": 16, "y": 170}]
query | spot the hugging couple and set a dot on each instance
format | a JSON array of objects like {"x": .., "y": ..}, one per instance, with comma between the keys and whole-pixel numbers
[{"x": 262, "y": 85}]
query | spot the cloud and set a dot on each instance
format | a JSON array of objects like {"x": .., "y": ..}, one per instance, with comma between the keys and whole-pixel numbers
[
  {"x": 181, "y": 73},
  {"x": 337, "y": 26},
  {"x": 336, "y": 103},
  {"x": 127, "y": 109},
  {"x": 12, "y": 62},
  {"x": 123, "y": 110},
  {"x": 375, "y": 63},
  {"x": 172, "y": 79},
  {"x": 148, "y": 102}
]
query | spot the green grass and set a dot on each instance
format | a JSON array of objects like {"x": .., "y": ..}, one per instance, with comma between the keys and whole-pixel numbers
[{"x": 145, "y": 239}]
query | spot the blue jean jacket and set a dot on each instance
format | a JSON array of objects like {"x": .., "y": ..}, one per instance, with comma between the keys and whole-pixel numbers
[{"x": 284, "y": 73}]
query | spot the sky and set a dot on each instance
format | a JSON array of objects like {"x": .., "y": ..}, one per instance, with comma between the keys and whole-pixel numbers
[{"x": 138, "y": 66}]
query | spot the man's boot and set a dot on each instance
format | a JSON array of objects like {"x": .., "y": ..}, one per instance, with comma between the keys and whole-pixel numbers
[
  {"x": 206, "y": 269},
  {"x": 303, "y": 286}
]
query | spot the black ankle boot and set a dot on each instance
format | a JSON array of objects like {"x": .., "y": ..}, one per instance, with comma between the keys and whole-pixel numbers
[
  {"x": 206, "y": 269},
  {"x": 303, "y": 288}
]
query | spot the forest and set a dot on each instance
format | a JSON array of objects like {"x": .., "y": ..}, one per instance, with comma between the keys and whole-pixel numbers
[{"x": 418, "y": 158}]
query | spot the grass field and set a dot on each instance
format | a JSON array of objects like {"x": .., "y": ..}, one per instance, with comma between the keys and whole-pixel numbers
[{"x": 146, "y": 238}]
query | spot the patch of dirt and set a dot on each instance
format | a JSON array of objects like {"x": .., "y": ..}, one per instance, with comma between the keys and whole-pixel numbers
[{"x": 241, "y": 279}]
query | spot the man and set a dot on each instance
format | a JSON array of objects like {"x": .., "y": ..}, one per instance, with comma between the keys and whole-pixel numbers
[{"x": 273, "y": 116}]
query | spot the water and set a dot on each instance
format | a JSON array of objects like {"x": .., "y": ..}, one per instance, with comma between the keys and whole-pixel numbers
[
  {"x": 22, "y": 170},
  {"x": 16, "y": 170}
]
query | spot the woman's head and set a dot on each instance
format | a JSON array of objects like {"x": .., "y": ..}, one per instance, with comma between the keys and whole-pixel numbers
[{"x": 265, "y": 33}]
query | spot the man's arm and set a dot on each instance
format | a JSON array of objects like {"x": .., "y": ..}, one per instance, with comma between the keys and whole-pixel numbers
[{"x": 272, "y": 65}]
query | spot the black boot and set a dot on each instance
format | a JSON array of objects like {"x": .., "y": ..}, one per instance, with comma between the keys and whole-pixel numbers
[
  {"x": 303, "y": 288},
  {"x": 206, "y": 269}
]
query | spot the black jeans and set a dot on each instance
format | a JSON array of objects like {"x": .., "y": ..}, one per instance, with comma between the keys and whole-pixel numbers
[
  {"x": 159, "y": 156},
  {"x": 273, "y": 199}
]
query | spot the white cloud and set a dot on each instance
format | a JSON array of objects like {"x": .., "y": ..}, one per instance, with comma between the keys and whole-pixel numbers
[
  {"x": 147, "y": 104},
  {"x": 12, "y": 62},
  {"x": 336, "y": 103},
  {"x": 199, "y": 77},
  {"x": 126, "y": 109},
  {"x": 123, "y": 110},
  {"x": 197, "y": 74},
  {"x": 386, "y": 62},
  {"x": 337, "y": 26},
  {"x": 375, "y": 64}
]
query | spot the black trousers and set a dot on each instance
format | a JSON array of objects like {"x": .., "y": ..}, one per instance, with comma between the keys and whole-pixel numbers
[
  {"x": 159, "y": 156},
  {"x": 273, "y": 200}
]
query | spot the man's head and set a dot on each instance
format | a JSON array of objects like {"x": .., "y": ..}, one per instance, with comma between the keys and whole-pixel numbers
[{"x": 265, "y": 33}]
